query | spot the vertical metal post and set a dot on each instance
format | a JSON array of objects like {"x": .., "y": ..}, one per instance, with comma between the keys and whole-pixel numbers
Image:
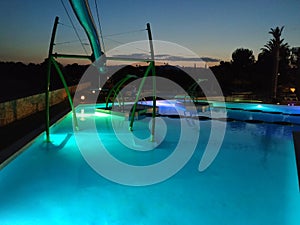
[
  {"x": 51, "y": 61},
  {"x": 152, "y": 65},
  {"x": 47, "y": 100},
  {"x": 151, "y": 68},
  {"x": 138, "y": 96}
]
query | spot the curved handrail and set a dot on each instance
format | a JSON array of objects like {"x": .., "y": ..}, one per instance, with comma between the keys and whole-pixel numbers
[{"x": 117, "y": 87}]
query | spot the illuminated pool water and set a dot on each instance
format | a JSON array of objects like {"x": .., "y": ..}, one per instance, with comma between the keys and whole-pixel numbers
[{"x": 253, "y": 180}]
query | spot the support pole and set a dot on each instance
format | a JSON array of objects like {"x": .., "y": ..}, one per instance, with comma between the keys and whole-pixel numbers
[
  {"x": 47, "y": 100},
  {"x": 72, "y": 56},
  {"x": 152, "y": 65},
  {"x": 47, "y": 96},
  {"x": 151, "y": 68},
  {"x": 138, "y": 96}
]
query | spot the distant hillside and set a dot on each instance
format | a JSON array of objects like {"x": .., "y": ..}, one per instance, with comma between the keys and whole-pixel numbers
[{"x": 20, "y": 80}]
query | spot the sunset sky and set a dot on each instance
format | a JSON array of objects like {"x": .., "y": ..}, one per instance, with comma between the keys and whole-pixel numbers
[{"x": 211, "y": 29}]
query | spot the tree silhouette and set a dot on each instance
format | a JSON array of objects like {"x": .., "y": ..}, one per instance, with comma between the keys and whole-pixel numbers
[
  {"x": 242, "y": 57},
  {"x": 242, "y": 61},
  {"x": 274, "y": 47},
  {"x": 295, "y": 58},
  {"x": 295, "y": 62}
]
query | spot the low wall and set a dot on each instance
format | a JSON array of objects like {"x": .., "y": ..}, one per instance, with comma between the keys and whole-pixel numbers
[{"x": 20, "y": 108}]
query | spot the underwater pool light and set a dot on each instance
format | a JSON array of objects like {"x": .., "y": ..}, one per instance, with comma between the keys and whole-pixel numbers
[{"x": 100, "y": 114}]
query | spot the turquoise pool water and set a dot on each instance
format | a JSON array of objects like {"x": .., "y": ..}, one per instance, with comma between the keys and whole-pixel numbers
[{"x": 253, "y": 179}]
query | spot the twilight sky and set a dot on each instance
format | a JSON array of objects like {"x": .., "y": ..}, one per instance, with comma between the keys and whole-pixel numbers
[{"x": 213, "y": 28}]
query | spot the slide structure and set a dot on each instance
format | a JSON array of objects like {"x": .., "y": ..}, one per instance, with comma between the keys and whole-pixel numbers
[{"x": 83, "y": 13}]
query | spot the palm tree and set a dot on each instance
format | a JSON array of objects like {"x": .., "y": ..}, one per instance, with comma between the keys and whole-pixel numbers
[{"x": 274, "y": 47}]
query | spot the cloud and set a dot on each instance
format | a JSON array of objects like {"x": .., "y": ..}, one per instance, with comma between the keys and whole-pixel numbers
[
  {"x": 168, "y": 57},
  {"x": 208, "y": 59}
]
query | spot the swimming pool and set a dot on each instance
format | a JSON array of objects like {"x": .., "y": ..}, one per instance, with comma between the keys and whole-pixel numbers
[{"x": 253, "y": 179}]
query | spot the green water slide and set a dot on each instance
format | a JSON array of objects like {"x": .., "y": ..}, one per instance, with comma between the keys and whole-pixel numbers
[{"x": 83, "y": 13}]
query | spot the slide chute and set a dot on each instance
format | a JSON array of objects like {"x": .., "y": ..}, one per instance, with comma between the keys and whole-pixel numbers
[{"x": 83, "y": 13}]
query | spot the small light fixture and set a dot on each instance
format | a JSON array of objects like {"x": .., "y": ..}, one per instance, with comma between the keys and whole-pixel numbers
[
  {"x": 82, "y": 97},
  {"x": 93, "y": 91},
  {"x": 292, "y": 89}
]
